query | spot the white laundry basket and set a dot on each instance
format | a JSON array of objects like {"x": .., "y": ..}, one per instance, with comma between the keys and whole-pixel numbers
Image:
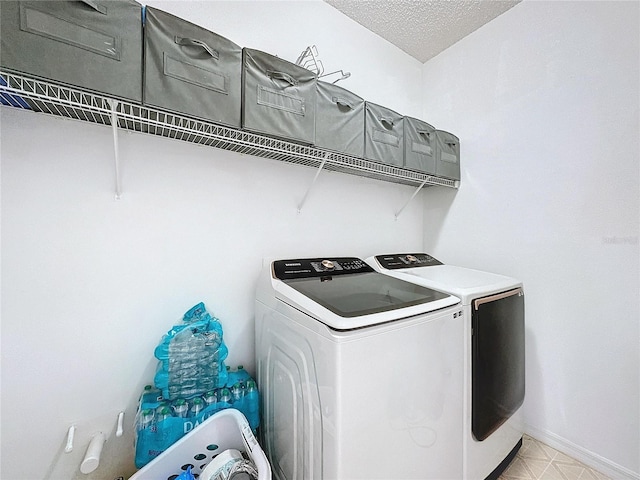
[{"x": 223, "y": 430}]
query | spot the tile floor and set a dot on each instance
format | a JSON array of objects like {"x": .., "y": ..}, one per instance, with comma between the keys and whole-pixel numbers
[{"x": 537, "y": 461}]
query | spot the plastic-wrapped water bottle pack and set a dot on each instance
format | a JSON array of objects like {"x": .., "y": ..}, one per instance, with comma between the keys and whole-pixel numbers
[
  {"x": 191, "y": 384},
  {"x": 160, "y": 423},
  {"x": 191, "y": 356}
]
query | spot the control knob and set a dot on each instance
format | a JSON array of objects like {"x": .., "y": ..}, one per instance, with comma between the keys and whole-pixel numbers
[
  {"x": 412, "y": 259},
  {"x": 328, "y": 264}
]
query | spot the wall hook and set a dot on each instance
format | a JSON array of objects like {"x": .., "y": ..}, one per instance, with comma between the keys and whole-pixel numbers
[
  {"x": 70, "y": 434},
  {"x": 120, "y": 427},
  {"x": 92, "y": 457}
]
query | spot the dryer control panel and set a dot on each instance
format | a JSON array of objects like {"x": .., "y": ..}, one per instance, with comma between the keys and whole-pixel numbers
[
  {"x": 318, "y": 267},
  {"x": 406, "y": 260}
]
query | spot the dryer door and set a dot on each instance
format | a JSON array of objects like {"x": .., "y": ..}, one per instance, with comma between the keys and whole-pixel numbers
[{"x": 497, "y": 363}]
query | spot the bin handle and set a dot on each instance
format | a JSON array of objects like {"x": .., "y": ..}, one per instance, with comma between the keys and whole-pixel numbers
[
  {"x": 387, "y": 120},
  {"x": 98, "y": 8},
  {"x": 426, "y": 133},
  {"x": 343, "y": 102},
  {"x": 183, "y": 41},
  {"x": 274, "y": 74}
]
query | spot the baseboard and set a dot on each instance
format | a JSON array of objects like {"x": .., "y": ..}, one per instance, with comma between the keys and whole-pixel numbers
[{"x": 581, "y": 454}]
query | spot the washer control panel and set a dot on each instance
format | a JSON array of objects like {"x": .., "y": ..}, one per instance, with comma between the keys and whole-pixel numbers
[
  {"x": 318, "y": 267},
  {"x": 406, "y": 260}
]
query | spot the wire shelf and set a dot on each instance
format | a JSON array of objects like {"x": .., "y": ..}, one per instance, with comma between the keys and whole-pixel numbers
[{"x": 17, "y": 91}]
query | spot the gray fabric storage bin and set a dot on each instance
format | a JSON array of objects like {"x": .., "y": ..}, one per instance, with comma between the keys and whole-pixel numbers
[
  {"x": 190, "y": 70},
  {"x": 419, "y": 145},
  {"x": 278, "y": 97},
  {"x": 339, "y": 120},
  {"x": 384, "y": 137},
  {"x": 448, "y": 155},
  {"x": 92, "y": 44}
]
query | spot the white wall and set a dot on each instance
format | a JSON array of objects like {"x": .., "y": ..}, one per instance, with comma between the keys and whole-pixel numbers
[
  {"x": 90, "y": 284},
  {"x": 545, "y": 101}
]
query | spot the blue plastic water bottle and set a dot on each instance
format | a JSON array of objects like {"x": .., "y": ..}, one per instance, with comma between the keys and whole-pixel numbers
[
  {"x": 146, "y": 419},
  {"x": 181, "y": 408},
  {"x": 237, "y": 392},
  {"x": 239, "y": 375},
  {"x": 144, "y": 437},
  {"x": 210, "y": 398},
  {"x": 225, "y": 395},
  {"x": 252, "y": 409},
  {"x": 150, "y": 394},
  {"x": 163, "y": 427},
  {"x": 197, "y": 405}
]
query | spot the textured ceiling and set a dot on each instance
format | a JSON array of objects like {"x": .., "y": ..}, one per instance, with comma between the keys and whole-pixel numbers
[{"x": 422, "y": 28}]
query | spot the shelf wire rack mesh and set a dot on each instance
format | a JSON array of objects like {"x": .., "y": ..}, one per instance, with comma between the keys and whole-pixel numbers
[{"x": 18, "y": 91}]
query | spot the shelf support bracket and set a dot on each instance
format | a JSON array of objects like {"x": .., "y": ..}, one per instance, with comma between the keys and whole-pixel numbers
[
  {"x": 412, "y": 197},
  {"x": 114, "y": 129},
  {"x": 304, "y": 199}
]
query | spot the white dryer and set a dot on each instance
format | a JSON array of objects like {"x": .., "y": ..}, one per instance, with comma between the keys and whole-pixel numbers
[
  {"x": 361, "y": 374},
  {"x": 494, "y": 355}
]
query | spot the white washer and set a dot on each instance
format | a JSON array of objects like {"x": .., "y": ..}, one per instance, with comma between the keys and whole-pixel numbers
[
  {"x": 493, "y": 351},
  {"x": 360, "y": 374}
]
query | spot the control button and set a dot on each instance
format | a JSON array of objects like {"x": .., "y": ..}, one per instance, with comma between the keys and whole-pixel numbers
[
  {"x": 328, "y": 264},
  {"x": 412, "y": 259}
]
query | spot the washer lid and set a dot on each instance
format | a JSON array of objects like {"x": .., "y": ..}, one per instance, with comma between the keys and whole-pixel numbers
[
  {"x": 465, "y": 283},
  {"x": 346, "y": 293}
]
